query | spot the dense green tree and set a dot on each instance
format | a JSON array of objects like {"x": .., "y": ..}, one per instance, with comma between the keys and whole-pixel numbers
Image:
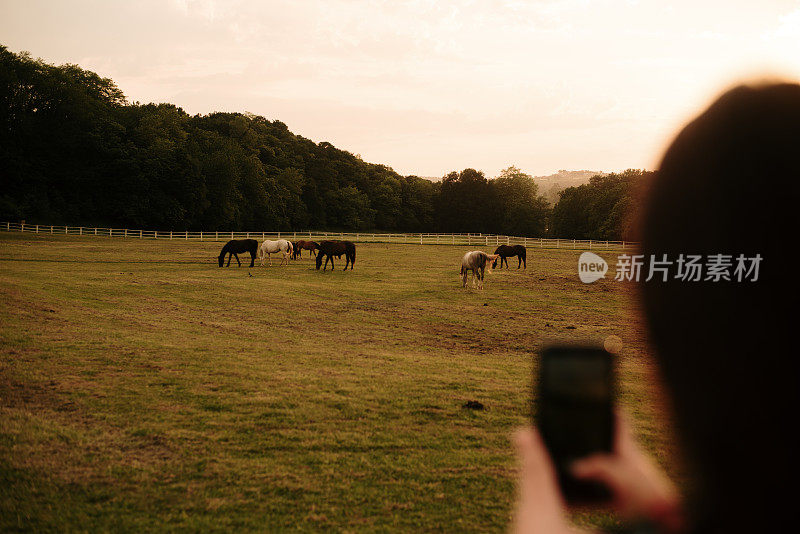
[
  {"x": 601, "y": 209},
  {"x": 74, "y": 151},
  {"x": 466, "y": 203},
  {"x": 521, "y": 211}
]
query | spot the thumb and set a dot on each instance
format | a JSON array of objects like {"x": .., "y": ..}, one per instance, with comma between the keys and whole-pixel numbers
[{"x": 600, "y": 468}]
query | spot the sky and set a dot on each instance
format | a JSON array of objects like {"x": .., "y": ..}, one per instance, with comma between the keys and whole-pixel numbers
[{"x": 428, "y": 87}]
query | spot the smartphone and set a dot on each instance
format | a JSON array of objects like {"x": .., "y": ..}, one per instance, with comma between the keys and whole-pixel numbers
[{"x": 575, "y": 413}]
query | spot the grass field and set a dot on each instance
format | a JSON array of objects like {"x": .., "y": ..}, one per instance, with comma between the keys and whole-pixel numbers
[{"x": 143, "y": 387}]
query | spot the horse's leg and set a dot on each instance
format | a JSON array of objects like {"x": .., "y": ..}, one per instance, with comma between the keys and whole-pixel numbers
[
  {"x": 464, "y": 278},
  {"x": 252, "y": 259},
  {"x": 230, "y": 255},
  {"x": 237, "y": 260}
]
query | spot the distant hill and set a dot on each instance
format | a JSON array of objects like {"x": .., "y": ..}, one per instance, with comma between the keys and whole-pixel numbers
[{"x": 550, "y": 186}]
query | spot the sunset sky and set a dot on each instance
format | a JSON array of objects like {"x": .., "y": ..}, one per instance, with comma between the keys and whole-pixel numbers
[{"x": 429, "y": 87}]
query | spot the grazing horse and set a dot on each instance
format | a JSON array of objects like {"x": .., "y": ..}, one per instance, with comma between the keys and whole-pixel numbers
[
  {"x": 270, "y": 247},
  {"x": 476, "y": 261},
  {"x": 304, "y": 245},
  {"x": 236, "y": 246},
  {"x": 329, "y": 249},
  {"x": 505, "y": 252}
]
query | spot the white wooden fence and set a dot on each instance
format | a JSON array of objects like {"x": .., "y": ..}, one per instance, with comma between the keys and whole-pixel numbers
[{"x": 358, "y": 237}]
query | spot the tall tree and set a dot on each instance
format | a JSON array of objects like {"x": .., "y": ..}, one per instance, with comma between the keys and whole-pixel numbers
[
  {"x": 466, "y": 203},
  {"x": 522, "y": 211}
]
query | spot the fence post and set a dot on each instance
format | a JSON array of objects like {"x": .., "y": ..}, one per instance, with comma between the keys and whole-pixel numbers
[
  {"x": 231, "y": 235},
  {"x": 216, "y": 235},
  {"x": 126, "y": 232},
  {"x": 248, "y": 235},
  {"x": 170, "y": 234},
  {"x": 155, "y": 234},
  {"x": 140, "y": 234},
  {"x": 201, "y": 235},
  {"x": 95, "y": 231},
  {"x": 187, "y": 235}
]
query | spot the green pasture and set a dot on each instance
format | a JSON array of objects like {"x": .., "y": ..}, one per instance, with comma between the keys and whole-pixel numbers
[{"x": 144, "y": 388}]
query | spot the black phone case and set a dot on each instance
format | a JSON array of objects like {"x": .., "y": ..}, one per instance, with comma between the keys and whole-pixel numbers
[{"x": 574, "y": 421}]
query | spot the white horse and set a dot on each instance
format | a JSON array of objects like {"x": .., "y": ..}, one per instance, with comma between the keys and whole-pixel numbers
[
  {"x": 476, "y": 261},
  {"x": 269, "y": 247}
]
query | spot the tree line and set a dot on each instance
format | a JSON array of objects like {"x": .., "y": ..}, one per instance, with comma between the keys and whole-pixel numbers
[{"x": 74, "y": 151}]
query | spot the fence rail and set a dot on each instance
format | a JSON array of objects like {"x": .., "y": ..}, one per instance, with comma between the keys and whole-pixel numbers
[{"x": 358, "y": 237}]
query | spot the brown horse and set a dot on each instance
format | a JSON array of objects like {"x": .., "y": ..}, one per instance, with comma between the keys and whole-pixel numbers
[
  {"x": 313, "y": 246},
  {"x": 505, "y": 252},
  {"x": 329, "y": 249},
  {"x": 234, "y": 247}
]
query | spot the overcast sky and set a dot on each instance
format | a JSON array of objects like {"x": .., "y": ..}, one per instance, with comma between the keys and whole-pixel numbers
[{"x": 428, "y": 87}]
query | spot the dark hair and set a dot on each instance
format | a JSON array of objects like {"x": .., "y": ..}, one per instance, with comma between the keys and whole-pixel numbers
[{"x": 728, "y": 184}]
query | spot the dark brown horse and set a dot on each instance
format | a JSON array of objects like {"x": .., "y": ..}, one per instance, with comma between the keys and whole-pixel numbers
[
  {"x": 301, "y": 245},
  {"x": 329, "y": 249},
  {"x": 236, "y": 246},
  {"x": 506, "y": 251}
]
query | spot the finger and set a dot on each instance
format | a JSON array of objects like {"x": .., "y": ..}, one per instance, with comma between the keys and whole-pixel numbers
[
  {"x": 531, "y": 448},
  {"x": 539, "y": 503},
  {"x": 624, "y": 441},
  {"x": 600, "y": 468}
]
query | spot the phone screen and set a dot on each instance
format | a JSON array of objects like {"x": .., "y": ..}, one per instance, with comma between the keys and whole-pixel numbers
[{"x": 576, "y": 412}]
